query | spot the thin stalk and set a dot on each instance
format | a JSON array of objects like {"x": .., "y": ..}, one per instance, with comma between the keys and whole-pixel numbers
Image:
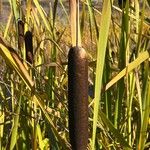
[
  {"x": 92, "y": 18},
  {"x": 141, "y": 28},
  {"x": 77, "y": 21},
  {"x": 72, "y": 4},
  {"x": 121, "y": 65},
  {"x": 16, "y": 9},
  {"x": 131, "y": 96},
  {"x": 28, "y": 15},
  {"x": 10, "y": 18},
  {"x": 107, "y": 95},
  {"x": 65, "y": 11},
  {"x": 129, "y": 101},
  {"x": 2, "y": 117},
  {"x": 43, "y": 16},
  {"x": 77, "y": 85},
  {"x": 55, "y": 12},
  {"x": 78, "y": 40},
  {"x": 14, "y": 134},
  {"x": 146, "y": 111}
]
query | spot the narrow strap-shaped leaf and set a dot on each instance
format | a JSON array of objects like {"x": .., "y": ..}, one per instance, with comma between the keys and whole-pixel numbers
[
  {"x": 43, "y": 16},
  {"x": 115, "y": 132},
  {"x": 141, "y": 58},
  {"x": 12, "y": 58},
  {"x": 103, "y": 35}
]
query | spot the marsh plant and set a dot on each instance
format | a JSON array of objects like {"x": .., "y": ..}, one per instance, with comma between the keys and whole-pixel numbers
[{"x": 34, "y": 43}]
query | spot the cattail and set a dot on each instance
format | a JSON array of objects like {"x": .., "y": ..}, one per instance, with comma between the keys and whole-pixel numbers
[
  {"x": 77, "y": 85},
  {"x": 78, "y": 98},
  {"x": 29, "y": 47},
  {"x": 20, "y": 34}
]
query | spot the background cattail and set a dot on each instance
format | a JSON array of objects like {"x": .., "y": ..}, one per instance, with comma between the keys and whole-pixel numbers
[
  {"x": 20, "y": 34},
  {"x": 29, "y": 47},
  {"x": 78, "y": 98},
  {"x": 118, "y": 67},
  {"x": 77, "y": 85}
]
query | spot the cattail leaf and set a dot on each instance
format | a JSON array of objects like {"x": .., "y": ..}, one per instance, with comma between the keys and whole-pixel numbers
[
  {"x": 92, "y": 17},
  {"x": 8, "y": 24},
  {"x": 143, "y": 137},
  {"x": 115, "y": 132},
  {"x": 43, "y": 16},
  {"x": 39, "y": 101},
  {"x": 15, "y": 62},
  {"x": 55, "y": 11},
  {"x": 15, "y": 126},
  {"x": 16, "y": 9},
  {"x": 101, "y": 49},
  {"x": 141, "y": 58}
]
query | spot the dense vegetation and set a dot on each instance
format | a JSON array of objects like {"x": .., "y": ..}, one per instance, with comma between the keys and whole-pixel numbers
[{"x": 34, "y": 45}]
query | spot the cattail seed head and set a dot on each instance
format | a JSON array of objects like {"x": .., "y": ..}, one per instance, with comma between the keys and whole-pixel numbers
[{"x": 78, "y": 98}]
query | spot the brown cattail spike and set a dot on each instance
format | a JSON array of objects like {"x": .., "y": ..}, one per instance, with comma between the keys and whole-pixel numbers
[
  {"x": 29, "y": 47},
  {"x": 78, "y": 98},
  {"x": 20, "y": 34}
]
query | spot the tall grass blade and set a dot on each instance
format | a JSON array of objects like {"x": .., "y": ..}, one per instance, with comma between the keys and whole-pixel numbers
[
  {"x": 73, "y": 21},
  {"x": 43, "y": 16},
  {"x": 92, "y": 17},
  {"x": 55, "y": 11},
  {"x": 28, "y": 15},
  {"x": 133, "y": 65},
  {"x": 115, "y": 131},
  {"x": 101, "y": 49},
  {"x": 16, "y": 9},
  {"x": 14, "y": 134},
  {"x": 145, "y": 112},
  {"x": 15, "y": 62},
  {"x": 64, "y": 9},
  {"x": 63, "y": 143},
  {"x": 8, "y": 24}
]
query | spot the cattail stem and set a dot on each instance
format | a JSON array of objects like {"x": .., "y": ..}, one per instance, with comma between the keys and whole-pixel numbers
[
  {"x": 72, "y": 4},
  {"x": 74, "y": 22},
  {"x": 78, "y": 98},
  {"x": 77, "y": 22}
]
